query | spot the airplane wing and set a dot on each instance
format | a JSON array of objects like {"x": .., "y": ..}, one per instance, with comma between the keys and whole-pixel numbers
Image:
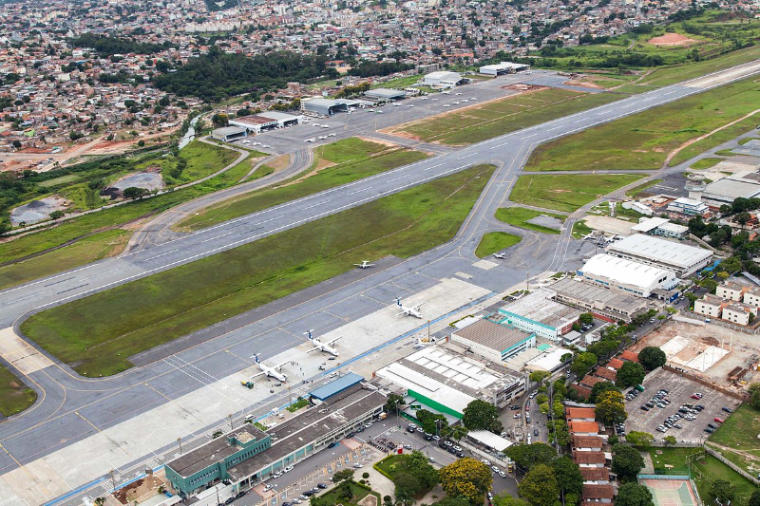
[
  {"x": 312, "y": 349},
  {"x": 278, "y": 366},
  {"x": 334, "y": 340},
  {"x": 262, "y": 373}
]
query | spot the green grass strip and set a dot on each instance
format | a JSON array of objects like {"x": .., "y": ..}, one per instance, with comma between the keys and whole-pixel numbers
[
  {"x": 495, "y": 241},
  {"x": 519, "y": 217},
  {"x": 566, "y": 192},
  {"x": 97, "y": 334},
  {"x": 15, "y": 396}
]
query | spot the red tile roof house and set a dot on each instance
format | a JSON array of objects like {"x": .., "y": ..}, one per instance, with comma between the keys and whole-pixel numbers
[
  {"x": 598, "y": 493},
  {"x": 590, "y": 459},
  {"x": 587, "y": 414},
  {"x": 587, "y": 443},
  {"x": 583, "y": 428},
  {"x": 629, "y": 356},
  {"x": 595, "y": 475},
  {"x": 606, "y": 374}
]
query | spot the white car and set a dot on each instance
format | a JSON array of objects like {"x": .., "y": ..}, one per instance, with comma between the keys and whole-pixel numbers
[{"x": 287, "y": 469}]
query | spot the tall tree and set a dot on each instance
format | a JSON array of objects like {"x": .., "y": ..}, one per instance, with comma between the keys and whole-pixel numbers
[
  {"x": 526, "y": 456},
  {"x": 610, "y": 408},
  {"x": 468, "y": 478},
  {"x": 722, "y": 490},
  {"x": 568, "y": 475},
  {"x": 652, "y": 357},
  {"x": 630, "y": 374},
  {"x": 481, "y": 415},
  {"x": 582, "y": 363},
  {"x": 626, "y": 462},
  {"x": 633, "y": 494},
  {"x": 539, "y": 486},
  {"x": 598, "y": 389}
]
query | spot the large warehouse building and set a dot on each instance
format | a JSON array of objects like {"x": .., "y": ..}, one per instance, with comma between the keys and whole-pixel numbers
[
  {"x": 602, "y": 302},
  {"x": 680, "y": 258},
  {"x": 443, "y": 79},
  {"x": 266, "y": 120},
  {"x": 505, "y": 67},
  {"x": 323, "y": 106},
  {"x": 626, "y": 275},
  {"x": 246, "y": 456},
  {"x": 446, "y": 381},
  {"x": 537, "y": 313},
  {"x": 493, "y": 341}
]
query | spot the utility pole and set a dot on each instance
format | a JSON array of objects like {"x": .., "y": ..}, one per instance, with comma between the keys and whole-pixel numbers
[
  {"x": 179, "y": 443},
  {"x": 229, "y": 417},
  {"x": 113, "y": 479}
]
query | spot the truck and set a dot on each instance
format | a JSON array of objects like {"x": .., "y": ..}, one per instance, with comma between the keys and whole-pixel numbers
[{"x": 640, "y": 388}]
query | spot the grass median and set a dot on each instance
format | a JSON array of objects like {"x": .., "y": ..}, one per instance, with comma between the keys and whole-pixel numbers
[
  {"x": 492, "y": 242},
  {"x": 520, "y": 217},
  {"x": 15, "y": 396},
  {"x": 96, "y": 335},
  {"x": 482, "y": 122},
  {"x": 335, "y": 164},
  {"x": 566, "y": 192},
  {"x": 642, "y": 141}
]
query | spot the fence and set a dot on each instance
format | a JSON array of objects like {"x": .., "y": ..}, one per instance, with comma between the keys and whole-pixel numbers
[{"x": 733, "y": 466}]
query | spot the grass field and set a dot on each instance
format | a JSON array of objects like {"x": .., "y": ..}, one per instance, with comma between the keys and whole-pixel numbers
[
  {"x": 716, "y": 139},
  {"x": 83, "y": 227},
  {"x": 97, "y": 334},
  {"x": 14, "y": 395},
  {"x": 566, "y": 192},
  {"x": 400, "y": 82},
  {"x": 202, "y": 160},
  {"x": 519, "y": 217},
  {"x": 740, "y": 431},
  {"x": 643, "y": 140},
  {"x": 706, "y": 163},
  {"x": 498, "y": 117},
  {"x": 343, "y": 161},
  {"x": 703, "y": 471},
  {"x": 580, "y": 229},
  {"x": 357, "y": 494},
  {"x": 90, "y": 249},
  {"x": 492, "y": 242}
]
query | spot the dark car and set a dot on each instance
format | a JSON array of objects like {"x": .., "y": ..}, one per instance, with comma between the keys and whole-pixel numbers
[
  {"x": 309, "y": 493},
  {"x": 727, "y": 410},
  {"x": 322, "y": 485},
  {"x": 535, "y": 432}
]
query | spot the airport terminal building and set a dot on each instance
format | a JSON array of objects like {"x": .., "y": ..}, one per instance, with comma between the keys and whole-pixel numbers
[{"x": 246, "y": 456}]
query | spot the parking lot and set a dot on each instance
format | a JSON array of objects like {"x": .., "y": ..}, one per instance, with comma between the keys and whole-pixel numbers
[{"x": 679, "y": 393}]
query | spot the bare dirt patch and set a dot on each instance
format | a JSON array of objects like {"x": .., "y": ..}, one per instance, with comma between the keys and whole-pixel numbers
[
  {"x": 584, "y": 84},
  {"x": 279, "y": 163},
  {"x": 672, "y": 40}
]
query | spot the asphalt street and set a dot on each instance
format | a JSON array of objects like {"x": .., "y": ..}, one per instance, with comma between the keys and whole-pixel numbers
[{"x": 71, "y": 408}]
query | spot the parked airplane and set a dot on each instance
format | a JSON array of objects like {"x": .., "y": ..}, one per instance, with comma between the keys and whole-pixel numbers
[
  {"x": 319, "y": 345},
  {"x": 365, "y": 264},
  {"x": 409, "y": 311},
  {"x": 272, "y": 372},
  {"x": 500, "y": 256}
]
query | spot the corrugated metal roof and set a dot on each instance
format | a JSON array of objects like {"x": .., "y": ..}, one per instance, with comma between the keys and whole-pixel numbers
[{"x": 328, "y": 390}]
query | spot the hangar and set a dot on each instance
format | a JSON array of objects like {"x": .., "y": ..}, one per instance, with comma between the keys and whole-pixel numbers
[
  {"x": 601, "y": 302},
  {"x": 443, "y": 79},
  {"x": 324, "y": 106},
  {"x": 680, "y": 258},
  {"x": 230, "y": 133},
  {"x": 385, "y": 94},
  {"x": 266, "y": 120},
  {"x": 626, "y": 275},
  {"x": 505, "y": 67}
]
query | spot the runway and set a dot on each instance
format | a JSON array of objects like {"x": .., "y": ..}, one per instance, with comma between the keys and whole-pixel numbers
[{"x": 72, "y": 408}]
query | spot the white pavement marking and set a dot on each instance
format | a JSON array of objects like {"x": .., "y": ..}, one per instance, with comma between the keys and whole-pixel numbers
[
  {"x": 20, "y": 354},
  {"x": 486, "y": 265},
  {"x": 132, "y": 439}
]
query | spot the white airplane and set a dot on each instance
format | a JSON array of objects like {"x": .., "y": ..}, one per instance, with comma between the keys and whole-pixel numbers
[
  {"x": 500, "y": 256},
  {"x": 272, "y": 372},
  {"x": 319, "y": 345},
  {"x": 409, "y": 311},
  {"x": 365, "y": 264}
]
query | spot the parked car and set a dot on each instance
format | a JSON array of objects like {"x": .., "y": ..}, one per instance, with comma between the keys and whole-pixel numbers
[
  {"x": 727, "y": 410},
  {"x": 719, "y": 420}
]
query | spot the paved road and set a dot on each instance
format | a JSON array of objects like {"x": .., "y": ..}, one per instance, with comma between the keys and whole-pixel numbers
[{"x": 71, "y": 406}]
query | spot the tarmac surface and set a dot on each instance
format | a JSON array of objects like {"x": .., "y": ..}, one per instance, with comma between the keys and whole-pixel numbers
[{"x": 72, "y": 409}]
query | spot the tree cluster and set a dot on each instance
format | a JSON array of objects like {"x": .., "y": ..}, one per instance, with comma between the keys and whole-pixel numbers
[
  {"x": 481, "y": 415},
  {"x": 369, "y": 68},
  {"x": 106, "y": 45},
  {"x": 466, "y": 478},
  {"x": 548, "y": 478},
  {"x": 216, "y": 74}
]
